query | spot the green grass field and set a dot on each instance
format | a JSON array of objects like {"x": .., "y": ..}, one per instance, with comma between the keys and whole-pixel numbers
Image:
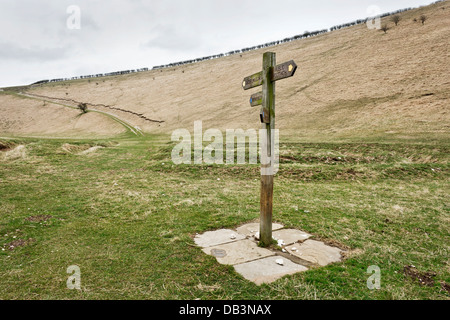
[{"x": 127, "y": 217}]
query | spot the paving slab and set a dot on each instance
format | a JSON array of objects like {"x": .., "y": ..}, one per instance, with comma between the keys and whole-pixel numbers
[
  {"x": 214, "y": 238},
  {"x": 250, "y": 229},
  {"x": 238, "y": 252},
  {"x": 267, "y": 270},
  {"x": 316, "y": 252},
  {"x": 290, "y": 236}
]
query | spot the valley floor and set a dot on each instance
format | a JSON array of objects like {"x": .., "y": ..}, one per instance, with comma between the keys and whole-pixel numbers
[{"x": 121, "y": 211}]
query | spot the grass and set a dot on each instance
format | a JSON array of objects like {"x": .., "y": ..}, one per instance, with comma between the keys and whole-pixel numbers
[{"x": 127, "y": 217}]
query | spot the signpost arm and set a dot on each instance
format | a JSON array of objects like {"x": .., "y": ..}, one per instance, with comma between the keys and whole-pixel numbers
[{"x": 268, "y": 106}]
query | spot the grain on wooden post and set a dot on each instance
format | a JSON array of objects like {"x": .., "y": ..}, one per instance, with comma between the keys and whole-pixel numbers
[{"x": 268, "y": 105}]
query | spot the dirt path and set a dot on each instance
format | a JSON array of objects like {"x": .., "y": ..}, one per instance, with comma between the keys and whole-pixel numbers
[
  {"x": 133, "y": 129},
  {"x": 53, "y": 99}
]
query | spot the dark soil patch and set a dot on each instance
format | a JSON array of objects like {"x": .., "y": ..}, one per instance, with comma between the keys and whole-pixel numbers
[
  {"x": 424, "y": 278},
  {"x": 40, "y": 218},
  {"x": 19, "y": 243},
  {"x": 5, "y": 146},
  {"x": 323, "y": 159}
]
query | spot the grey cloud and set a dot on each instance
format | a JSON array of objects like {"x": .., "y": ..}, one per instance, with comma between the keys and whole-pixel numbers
[{"x": 172, "y": 38}]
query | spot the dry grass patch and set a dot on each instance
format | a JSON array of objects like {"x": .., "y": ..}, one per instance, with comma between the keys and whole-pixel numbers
[
  {"x": 70, "y": 148},
  {"x": 90, "y": 150},
  {"x": 17, "y": 153},
  {"x": 80, "y": 150}
]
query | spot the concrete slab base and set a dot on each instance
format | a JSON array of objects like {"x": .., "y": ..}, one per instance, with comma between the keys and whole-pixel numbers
[
  {"x": 316, "y": 252},
  {"x": 260, "y": 265},
  {"x": 238, "y": 252},
  {"x": 213, "y": 238},
  {"x": 290, "y": 236},
  {"x": 267, "y": 270}
]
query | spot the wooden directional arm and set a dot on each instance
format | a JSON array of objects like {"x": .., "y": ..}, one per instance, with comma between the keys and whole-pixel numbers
[
  {"x": 253, "y": 81},
  {"x": 256, "y": 99},
  {"x": 284, "y": 70},
  {"x": 281, "y": 71}
]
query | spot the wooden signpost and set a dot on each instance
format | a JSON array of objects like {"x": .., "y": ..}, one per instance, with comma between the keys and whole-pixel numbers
[{"x": 266, "y": 99}]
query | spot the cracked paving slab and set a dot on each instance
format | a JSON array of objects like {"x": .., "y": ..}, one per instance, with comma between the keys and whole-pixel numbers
[
  {"x": 260, "y": 265},
  {"x": 290, "y": 236},
  {"x": 214, "y": 238},
  {"x": 267, "y": 270},
  {"x": 316, "y": 252},
  {"x": 238, "y": 252}
]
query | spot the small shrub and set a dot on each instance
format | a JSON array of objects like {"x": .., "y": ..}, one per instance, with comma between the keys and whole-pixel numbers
[
  {"x": 423, "y": 18},
  {"x": 384, "y": 28},
  {"x": 396, "y": 19}
]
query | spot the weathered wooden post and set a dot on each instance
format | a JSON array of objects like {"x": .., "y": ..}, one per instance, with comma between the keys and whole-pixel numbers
[
  {"x": 267, "y": 78},
  {"x": 268, "y": 119}
]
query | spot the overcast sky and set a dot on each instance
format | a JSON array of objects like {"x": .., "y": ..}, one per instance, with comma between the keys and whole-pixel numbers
[{"x": 40, "y": 39}]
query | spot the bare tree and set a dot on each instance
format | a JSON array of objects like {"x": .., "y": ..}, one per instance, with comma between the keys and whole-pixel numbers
[
  {"x": 384, "y": 28},
  {"x": 423, "y": 18},
  {"x": 396, "y": 19}
]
